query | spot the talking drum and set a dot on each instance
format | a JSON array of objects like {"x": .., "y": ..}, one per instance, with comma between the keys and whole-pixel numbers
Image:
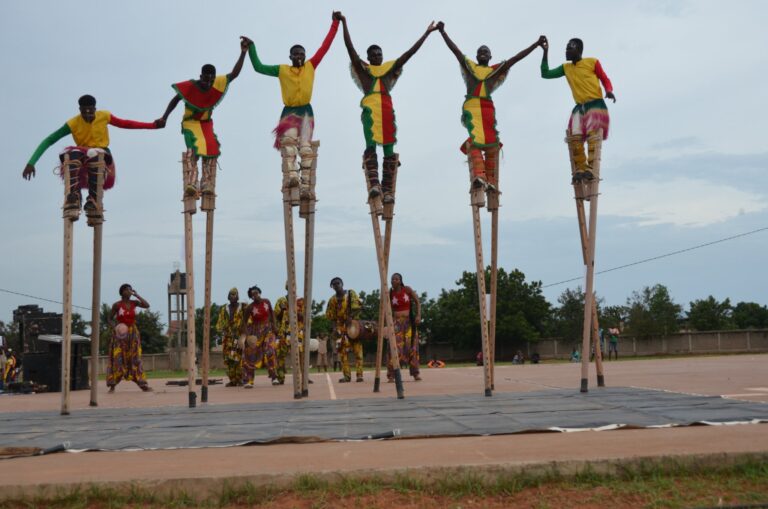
[{"x": 361, "y": 330}]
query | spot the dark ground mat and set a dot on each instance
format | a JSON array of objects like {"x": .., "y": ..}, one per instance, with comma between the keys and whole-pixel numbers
[{"x": 359, "y": 419}]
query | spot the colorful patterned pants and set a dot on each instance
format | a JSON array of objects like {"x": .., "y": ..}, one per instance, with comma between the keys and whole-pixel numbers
[
  {"x": 233, "y": 359},
  {"x": 259, "y": 352},
  {"x": 357, "y": 350},
  {"x": 407, "y": 352},
  {"x": 125, "y": 359}
]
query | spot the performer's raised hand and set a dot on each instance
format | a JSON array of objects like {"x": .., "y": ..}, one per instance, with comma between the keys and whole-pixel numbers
[
  {"x": 337, "y": 16},
  {"x": 432, "y": 27},
  {"x": 29, "y": 172},
  {"x": 245, "y": 42},
  {"x": 543, "y": 42},
  {"x": 440, "y": 26},
  {"x": 609, "y": 95},
  {"x": 160, "y": 123}
]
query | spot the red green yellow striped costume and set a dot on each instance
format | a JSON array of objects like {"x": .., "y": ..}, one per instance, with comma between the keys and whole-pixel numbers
[
  {"x": 197, "y": 125},
  {"x": 378, "y": 115}
]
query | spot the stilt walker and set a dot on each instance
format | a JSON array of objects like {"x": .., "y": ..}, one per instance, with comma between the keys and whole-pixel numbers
[
  {"x": 293, "y": 138},
  {"x": 589, "y": 122},
  {"x": 482, "y": 150},
  {"x": 376, "y": 79},
  {"x": 200, "y": 97},
  {"x": 86, "y": 165}
]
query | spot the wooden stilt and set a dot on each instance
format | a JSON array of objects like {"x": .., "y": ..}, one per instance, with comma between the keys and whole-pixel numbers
[
  {"x": 493, "y": 208},
  {"x": 589, "y": 236},
  {"x": 388, "y": 321},
  {"x": 207, "y": 204},
  {"x": 190, "y": 207},
  {"x": 70, "y": 215},
  {"x": 481, "y": 295},
  {"x": 96, "y": 291},
  {"x": 382, "y": 302},
  {"x": 291, "y": 267},
  {"x": 307, "y": 211}
]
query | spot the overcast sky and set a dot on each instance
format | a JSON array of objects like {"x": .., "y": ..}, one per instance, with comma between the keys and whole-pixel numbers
[{"x": 685, "y": 163}]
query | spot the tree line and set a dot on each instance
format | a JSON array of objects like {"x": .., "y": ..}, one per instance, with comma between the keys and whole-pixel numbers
[{"x": 522, "y": 315}]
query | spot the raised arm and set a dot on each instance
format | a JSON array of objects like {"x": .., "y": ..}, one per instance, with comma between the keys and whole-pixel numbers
[
  {"x": 142, "y": 303},
  {"x": 357, "y": 62},
  {"x": 268, "y": 70},
  {"x": 413, "y": 49},
  {"x": 451, "y": 45},
  {"x": 29, "y": 169},
  {"x": 415, "y": 299},
  {"x": 515, "y": 59},
  {"x": 546, "y": 72},
  {"x": 326, "y": 45},
  {"x": 244, "y": 44}
]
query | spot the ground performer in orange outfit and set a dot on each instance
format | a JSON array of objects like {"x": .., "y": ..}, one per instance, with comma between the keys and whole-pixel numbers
[
  {"x": 200, "y": 98},
  {"x": 89, "y": 130},
  {"x": 478, "y": 112},
  {"x": 376, "y": 79},
  {"x": 406, "y": 313},
  {"x": 297, "y": 121},
  {"x": 590, "y": 114},
  {"x": 125, "y": 349}
]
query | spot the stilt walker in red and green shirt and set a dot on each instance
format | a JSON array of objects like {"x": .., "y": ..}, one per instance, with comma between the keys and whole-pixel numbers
[{"x": 590, "y": 114}]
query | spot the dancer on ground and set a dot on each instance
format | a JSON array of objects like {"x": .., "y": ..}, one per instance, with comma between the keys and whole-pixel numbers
[
  {"x": 342, "y": 307},
  {"x": 297, "y": 121},
  {"x": 200, "y": 97},
  {"x": 284, "y": 334},
  {"x": 406, "y": 313},
  {"x": 376, "y": 79},
  {"x": 590, "y": 114},
  {"x": 478, "y": 111},
  {"x": 125, "y": 348},
  {"x": 91, "y": 135},
  {"x": 322, "y": 352},
  {"x": 229, "y": 325},
  {"x": 259, "y": 328}
]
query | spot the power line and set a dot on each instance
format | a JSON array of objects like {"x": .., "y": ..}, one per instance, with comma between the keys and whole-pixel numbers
[
  {"x": 645, "y": 260},
  {"x": 41, "y": 298}
]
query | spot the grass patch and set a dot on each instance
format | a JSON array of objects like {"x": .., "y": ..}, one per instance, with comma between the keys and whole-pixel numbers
[{"x": 662, "y": 483}]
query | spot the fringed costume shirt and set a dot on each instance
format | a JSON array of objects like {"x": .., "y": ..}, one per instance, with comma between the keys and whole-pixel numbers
[{"x": 378, "y": 115}]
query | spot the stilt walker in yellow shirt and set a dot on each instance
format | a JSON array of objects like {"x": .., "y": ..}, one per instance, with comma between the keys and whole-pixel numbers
[
  {"x": 589, "y": 122},
  {"x": 88, "y": 164},
  {"x": 293, "y": 138}
]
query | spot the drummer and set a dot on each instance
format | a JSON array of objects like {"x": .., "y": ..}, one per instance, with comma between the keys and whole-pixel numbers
[{"x": 343, "y": 307}]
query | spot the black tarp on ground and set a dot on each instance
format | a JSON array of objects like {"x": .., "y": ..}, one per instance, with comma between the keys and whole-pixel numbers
[{"x": 425, "y": 416}]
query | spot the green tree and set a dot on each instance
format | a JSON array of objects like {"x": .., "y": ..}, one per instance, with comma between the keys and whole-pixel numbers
[
  {"x": 709, "y": 314},
  {"x": 320, "y": 324},
  {"x": 521, "y": 311},
  {"x": 568, "y": 319},
  {"x": 613, "y": 316},
  {"x": 153, "y": 338},
  {"x": 213, "y": 333},
  {"x": 651, "y": 312},
  {"x": 79, "y": 326},
  {"x": 370, "y": 303},
  {"x": 750, "y": 315}
]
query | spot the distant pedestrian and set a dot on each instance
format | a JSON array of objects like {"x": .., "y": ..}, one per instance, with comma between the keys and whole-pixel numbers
[
  {"x": 322, "y": 352},
  {"x": 613, "y": 342}
]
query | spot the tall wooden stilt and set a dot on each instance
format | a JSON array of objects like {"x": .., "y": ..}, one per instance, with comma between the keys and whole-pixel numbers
[
  {"x": 480, "y": 268},
  {"x": 97, "y": 222},
  {"x": 589, "y": 191},
  {"x": 382, "y": 302},
  {"x": 208, "y": 205},
  {"x": 189, "y": 165},
  {"x": 307, "y": 211},
  {"x": 493, "y": 208},
  {"x": 70, "y": 215}
]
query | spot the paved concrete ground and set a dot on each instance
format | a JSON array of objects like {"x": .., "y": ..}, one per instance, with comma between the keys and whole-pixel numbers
[{"x": 737, "y": 376}]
